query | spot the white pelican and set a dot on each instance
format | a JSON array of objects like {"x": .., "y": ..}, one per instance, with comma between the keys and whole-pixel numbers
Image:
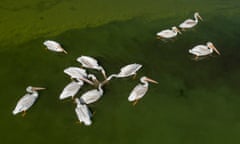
[
  {"x": 54, "y": 46},
  {"x": 78, "y": 74},
  {"x": 92, "y": 95},
  {"x": 83, "y": 113},
  {"x": 189, "y": 23},
  {"x": 91, "y": 63},
  {"x": 140, "y": 90},
  {"x": 203, "y": 50},
  {"x": 27, "y": 100},
  {"x": 71, "y": 90},
  {"x": 168, "y": 33},
  {"x": 126, "y": 71}
]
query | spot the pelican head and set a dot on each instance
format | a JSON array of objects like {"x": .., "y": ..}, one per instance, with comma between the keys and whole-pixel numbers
[
  {"x": 175, "y": 29},
  {"x": 31, "y": 89},
  {"x": 93, "y": 78},
  {"x": 210, "y": 45},
  {"x": 197, "y": 15},
  {"x": 146, "y": 79}
]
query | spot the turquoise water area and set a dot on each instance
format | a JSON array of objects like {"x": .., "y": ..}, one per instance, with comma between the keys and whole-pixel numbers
[{"x": 195, "y": 101}]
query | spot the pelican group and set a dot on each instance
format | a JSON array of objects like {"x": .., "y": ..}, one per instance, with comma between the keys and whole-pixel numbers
[{"x": 80, "y": 76}]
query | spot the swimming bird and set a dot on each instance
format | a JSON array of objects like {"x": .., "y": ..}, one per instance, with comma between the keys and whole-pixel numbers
[
  {"x": 189, "y": 23},
  {"x": 71, "y": 89},
  {"x": 92, "y": 95},
  {"x": 140, "y": 90},
  {"x": 27, "y": 100},
  {"x": 91, "y": 63},
  {"x": 203, "y": 50},
  {"x": 83, "y": 113},
  {"x": 126, "y": 71},
  {"x": 168, "y": 33},
  {"x": 78, "y": 74},
  {"x": 54, "y": 46}
]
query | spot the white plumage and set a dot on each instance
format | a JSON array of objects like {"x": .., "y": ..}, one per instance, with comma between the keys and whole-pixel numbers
[
  {"x": 78, "y": 74},
  {"x": 140, "y": 90},
  {"x": 92, "y": 95},
  {"x": 203, "y": 50},
  {"x": 83, "y": 113},
  {"x": 71, "y": 89},
  {"x": 168, "y": 33},
  {"x": 75, "y": 72},
  {"x": 126, "y": 71},
  {"x": 129, "y": 70},
  {"x": 27, "y": 100},
  {"x": 54, "y": 46},
  {"x": 189, "y": 23},
  {"x": 91, "y": 63}
]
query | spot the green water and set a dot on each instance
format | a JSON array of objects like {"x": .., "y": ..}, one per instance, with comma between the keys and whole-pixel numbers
[{"x": 195, "y": 102}]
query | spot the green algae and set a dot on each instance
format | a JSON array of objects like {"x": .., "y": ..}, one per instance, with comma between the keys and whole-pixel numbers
[{"x": 194, "y": 102}]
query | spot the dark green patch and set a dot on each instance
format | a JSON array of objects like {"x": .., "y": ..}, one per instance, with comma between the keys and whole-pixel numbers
[{"x": 194, "y": 102}]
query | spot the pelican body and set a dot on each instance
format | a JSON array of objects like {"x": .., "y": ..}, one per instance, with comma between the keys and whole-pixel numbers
[
  {"x": 71, "y": 89},
  {"x": 83, "y": 113},
  {"x": 126, "y": 71},
  {"x": 54, "y": 46},
  {"x": 168, "y": 33},
  {"x": 92, "y": 95},
  {"x": 189, "y": 23},
  {"x": 91, "y": 63},
  {"x": 204, "y": 50},
  {"x": 140, "y": 90},
  {"x": 78, "y": 74},
  {"x": 27, "y": 100}
]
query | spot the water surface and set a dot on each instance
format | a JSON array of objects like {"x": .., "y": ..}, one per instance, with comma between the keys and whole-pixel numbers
[{"x": 194, "y": 102}]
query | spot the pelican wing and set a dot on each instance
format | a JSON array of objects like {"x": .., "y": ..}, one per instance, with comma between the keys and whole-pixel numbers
[
  {"x": 128, "y": 70},
  {"x": 91, "y": 96},
  {"x": 83, "y": 114},
  {"x": 53, "y": 46},
  {"x": 25, "y": 103},
  {"x": 201, "y": 50},
  {"x": 75, "y": 72},
  {"x": 188, "y": 23},
  {"x": 70, "y": 90},
  {"x": 167, "y": 34},
  {"x": 138, "y": 92},
  {"x": 88, "y": 62}
]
